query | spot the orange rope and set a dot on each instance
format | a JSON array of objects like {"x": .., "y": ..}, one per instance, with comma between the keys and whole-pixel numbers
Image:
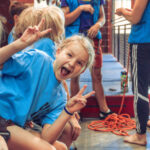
[{"x": 118, "y": 124}]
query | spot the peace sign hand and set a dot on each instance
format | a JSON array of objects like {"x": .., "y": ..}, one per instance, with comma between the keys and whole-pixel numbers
[
  {"x": 32, "y": 34},
  {"x": 78, "y": 101}
]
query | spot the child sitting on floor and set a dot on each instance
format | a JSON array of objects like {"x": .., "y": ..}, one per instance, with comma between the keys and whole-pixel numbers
[
  {"x": 54, "y": 19},
  {"x": 34, "y": 81}
]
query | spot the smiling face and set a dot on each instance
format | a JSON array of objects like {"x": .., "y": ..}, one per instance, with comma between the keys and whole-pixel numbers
[{"x": 70, "y": 61}]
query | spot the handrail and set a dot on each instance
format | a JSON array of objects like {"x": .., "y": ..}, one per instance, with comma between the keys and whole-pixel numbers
[{"x": 120, "y": 46}]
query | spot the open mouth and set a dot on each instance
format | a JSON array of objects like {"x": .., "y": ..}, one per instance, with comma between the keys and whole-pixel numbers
[{"x": 65, "y": 71}]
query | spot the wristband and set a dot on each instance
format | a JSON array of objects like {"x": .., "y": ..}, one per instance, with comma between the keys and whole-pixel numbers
[{"x": 69, "y": 113}]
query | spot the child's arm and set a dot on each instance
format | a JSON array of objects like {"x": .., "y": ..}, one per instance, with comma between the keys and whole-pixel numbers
[
  {"x": 51, "y": 133},
  {"x": 70, "y": 17},
  {"x": 92, "y": 32},
  {"x": 74, "y": 120},
  {"x": 30, "y": 35},
  {"x": 134, "y": 16}
]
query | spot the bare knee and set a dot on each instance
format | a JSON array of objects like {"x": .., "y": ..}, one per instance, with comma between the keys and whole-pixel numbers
[
  {"x": 60, "y": 145},
  {"x": 21, "y": 139}
]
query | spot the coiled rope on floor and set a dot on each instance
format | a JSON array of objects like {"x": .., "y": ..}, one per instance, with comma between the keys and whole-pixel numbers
[{"x": 118, "y": 124}]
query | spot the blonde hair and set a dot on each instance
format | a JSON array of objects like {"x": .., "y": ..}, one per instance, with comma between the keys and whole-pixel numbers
[
  {"x": 85, "y": 42},
  {"x": 54, "y": 19}
]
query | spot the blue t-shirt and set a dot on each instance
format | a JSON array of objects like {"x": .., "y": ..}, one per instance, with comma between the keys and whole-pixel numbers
[
  {"x": 46, "y": 45},
  {"x": 10, "y": 36},
  {"x": 27, "y": 83},
  {"x": 86, "y": 19}
]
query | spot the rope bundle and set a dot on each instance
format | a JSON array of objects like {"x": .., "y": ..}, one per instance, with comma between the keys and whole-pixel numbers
[{"x": 117, "y": 124}]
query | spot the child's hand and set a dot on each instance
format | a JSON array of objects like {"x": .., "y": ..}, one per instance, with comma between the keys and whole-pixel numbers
[
  {"x": 32, "y": 34},
  {"x": 119, "y": 11},
  {"x": 92, "y": 32},
  {"x": 87, "y": 8},
  {"x": 78, "y": 101}
]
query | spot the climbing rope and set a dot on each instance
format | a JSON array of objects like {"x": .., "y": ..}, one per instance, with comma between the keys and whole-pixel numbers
[{"x": 118, "y": 124}]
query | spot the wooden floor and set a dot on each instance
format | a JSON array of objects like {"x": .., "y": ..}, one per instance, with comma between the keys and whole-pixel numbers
[{"x": 93, "y": 140}]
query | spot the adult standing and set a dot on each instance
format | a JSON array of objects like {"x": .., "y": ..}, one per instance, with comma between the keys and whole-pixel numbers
[
  {"x": 88, "y": 17},
  {"x": 139, "y": 40}
]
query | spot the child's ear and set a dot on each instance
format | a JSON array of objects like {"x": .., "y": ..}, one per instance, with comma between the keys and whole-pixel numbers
[{"x": 15, "y": 18}]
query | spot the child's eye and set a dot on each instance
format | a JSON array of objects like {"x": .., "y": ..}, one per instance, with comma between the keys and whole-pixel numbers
[
  {"x": 69, "y": 55},
  {"x": 79, "y": 63}
]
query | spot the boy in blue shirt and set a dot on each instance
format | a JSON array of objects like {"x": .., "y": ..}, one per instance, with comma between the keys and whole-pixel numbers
[{"x": 34, "y": 81}]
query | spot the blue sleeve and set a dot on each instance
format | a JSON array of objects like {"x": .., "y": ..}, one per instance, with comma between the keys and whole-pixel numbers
[
  {"x": 57, "y": 108},
  {"x": 46, "y": 45},
  {"x": 64, "y": 3},
  {"x": 53, "y": 115},
  {"x": 17, "y": 64}
]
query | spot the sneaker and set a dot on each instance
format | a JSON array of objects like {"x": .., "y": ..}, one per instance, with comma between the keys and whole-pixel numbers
[{"x": 103, "y": 115}]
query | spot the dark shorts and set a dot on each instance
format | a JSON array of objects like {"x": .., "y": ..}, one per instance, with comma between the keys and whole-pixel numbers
[
  {"x": 98, "y": 53},
  {"x": 3, "y": 128}
]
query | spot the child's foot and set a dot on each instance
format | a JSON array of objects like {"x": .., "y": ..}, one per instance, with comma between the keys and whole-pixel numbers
[
  {"x": 148, "y": 123},
  {"x": 139, "y": 139}
]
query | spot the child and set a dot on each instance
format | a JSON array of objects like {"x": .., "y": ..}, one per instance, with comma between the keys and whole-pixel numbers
[
  {"x": 54, "y": 19},
  {"x": 15, "y": 10},
  {"x": 33, "y": 80}
]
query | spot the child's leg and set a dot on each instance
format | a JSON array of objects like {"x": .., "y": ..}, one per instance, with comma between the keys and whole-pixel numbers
[
  {"x": 60, "y": 145},
  {"x": 66, "y": 136},
  {"x": 57, "y": 144},
  {"x": 21, "y": 139},
  {"x": 3, "y": 144}
]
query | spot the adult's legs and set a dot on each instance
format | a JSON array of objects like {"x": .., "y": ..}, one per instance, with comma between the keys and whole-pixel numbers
[
  {"x": 140, "y": 63},
  {"x": 74, "y": 85},
  {"x": 97, "y": 80},
  {"x": 23, "y": 140},
  {"x": 98, "y": 88}
]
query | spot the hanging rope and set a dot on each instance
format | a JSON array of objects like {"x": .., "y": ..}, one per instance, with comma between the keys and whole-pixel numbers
[{"x": 118, "y": 124}]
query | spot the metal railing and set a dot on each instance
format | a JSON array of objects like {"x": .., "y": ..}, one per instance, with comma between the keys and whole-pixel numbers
[{"x": 120, "y": 46}]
